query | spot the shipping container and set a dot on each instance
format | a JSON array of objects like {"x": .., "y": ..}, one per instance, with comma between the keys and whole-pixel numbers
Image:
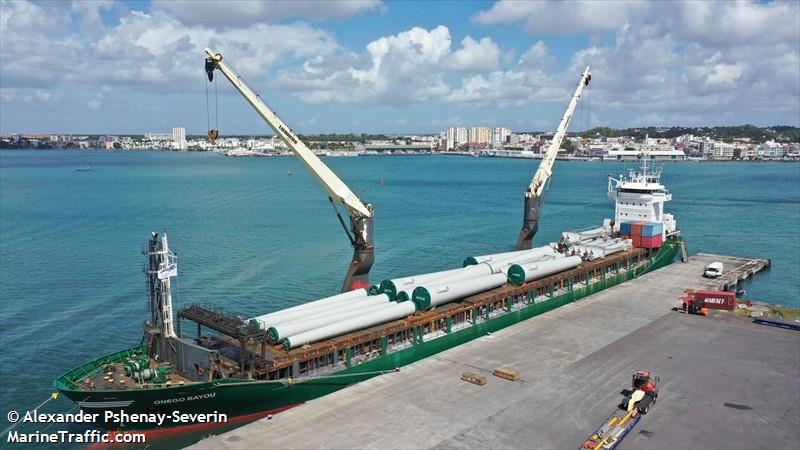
[
  {"x": 651, "y": 241},
  {"x": 637, "y": 241},
  {"x": 716, "y": 299},
  {"x": 636, "y": 229},
  {"x": 652, "y": 229},
  {"x": 625, "y": 228}
]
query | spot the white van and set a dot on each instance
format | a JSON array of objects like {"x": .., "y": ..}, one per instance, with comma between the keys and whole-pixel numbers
[{"x": 713, "y": 270}]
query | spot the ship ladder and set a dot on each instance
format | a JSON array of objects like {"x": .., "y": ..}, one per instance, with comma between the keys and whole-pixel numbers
[{"x": 684, "y": 253}]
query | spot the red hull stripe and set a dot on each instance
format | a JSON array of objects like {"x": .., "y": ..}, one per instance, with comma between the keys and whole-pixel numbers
[{"x": 161, "y": 432}]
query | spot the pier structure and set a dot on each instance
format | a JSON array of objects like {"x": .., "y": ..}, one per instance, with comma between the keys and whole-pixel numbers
[{"x": 724, "y": 381}]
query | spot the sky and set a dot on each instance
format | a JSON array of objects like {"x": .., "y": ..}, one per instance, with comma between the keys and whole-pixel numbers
[{"x": 133, "y": 67}]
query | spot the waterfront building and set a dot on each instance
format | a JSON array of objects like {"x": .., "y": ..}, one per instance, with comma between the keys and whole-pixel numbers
[
  {"x": 654, "y": 154},
  {"x": 771, "y": 149},
  {"x": 179, "y": 138},
  {"x": 722, "y": 150},
  {"x": 456, "y": 137},
  {"x": 500, "y": 135},
  {"x": 478, "y": 135}
]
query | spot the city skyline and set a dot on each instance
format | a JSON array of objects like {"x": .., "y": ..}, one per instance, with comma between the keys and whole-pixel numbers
[{"x": 393, "y": 67}]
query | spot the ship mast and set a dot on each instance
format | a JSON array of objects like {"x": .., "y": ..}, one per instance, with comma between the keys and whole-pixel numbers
[
  {"x": 161, "y": 265},
  {"x": 534, "y": 195}
]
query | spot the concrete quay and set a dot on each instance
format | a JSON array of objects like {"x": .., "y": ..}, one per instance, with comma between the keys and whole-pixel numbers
[{"x": 725, "y": 382}]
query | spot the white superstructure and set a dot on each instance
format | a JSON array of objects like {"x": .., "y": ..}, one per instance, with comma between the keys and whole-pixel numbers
[{"x": 641, "y": 196}]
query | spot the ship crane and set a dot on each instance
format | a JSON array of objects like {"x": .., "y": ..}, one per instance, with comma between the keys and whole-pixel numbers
[
  {"x": 361, "y": 214},
  {"x": 534, "y": 195}
]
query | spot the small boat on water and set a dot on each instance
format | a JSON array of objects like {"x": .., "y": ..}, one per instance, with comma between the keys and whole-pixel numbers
[{"x": 83, "y": 169}]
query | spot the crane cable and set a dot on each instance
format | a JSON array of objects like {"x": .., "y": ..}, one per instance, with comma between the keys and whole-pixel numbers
[
  {"x": 208, "y": 109},
  {"x": 588, "y": 105},
  {"x": 213, "y": 133}
]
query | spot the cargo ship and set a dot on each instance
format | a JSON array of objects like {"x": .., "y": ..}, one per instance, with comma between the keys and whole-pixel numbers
[
  {"x": 206, "y": 361},
  {"x": 239, "y": 366}
]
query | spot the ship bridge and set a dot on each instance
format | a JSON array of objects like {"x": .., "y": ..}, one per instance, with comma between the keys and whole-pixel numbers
[{"x": 640, "y": 197}]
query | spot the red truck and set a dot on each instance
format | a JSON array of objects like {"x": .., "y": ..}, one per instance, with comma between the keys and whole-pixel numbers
[{"x": 700, "y": 301}]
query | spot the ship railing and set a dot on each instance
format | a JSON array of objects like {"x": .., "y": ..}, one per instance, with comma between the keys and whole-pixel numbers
[{"x": 81, "y": 372}]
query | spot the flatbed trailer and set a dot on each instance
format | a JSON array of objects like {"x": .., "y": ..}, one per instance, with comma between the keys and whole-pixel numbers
[{"x": 613, "y": 430}]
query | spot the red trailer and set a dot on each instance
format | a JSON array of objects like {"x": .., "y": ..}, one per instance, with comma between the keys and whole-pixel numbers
[{"x": 700, "y": 301}]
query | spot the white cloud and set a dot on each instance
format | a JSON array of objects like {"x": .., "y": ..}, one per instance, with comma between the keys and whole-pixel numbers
[
  {"x": 727, "y": 24},
  {"x": 153, "y": 52},
  {"x": 397, "y": 69},
  {"x": 703, "y": 68},
  {"x": 561, "y": 17},
  {"x": 229, "y": 13},
  {"x": 88, "y": 14},
  {"x": 509, "y": 88},
  {"x": 410, "y": 66},
  {"x": 475, "y": 56},
  {"x": 666, "y": 60},
  {"x": 537, "y": 55},
  {"x": 656, "y": 61}
]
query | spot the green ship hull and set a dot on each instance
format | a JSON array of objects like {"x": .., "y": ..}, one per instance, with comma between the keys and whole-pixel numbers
[{"x": 240, "y": 397}]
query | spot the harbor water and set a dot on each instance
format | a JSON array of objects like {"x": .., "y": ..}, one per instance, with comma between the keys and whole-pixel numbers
[{"x": 251, "y": 239}]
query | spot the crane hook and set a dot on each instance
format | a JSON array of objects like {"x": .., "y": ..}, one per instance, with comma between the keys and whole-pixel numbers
[{"x": 210, "y": 66}]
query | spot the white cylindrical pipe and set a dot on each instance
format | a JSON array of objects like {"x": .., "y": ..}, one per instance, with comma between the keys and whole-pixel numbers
[
  {"x": 497, "y": 257},
  {"x": 519, "y": 274},
  {"x": 503, "y": 266},
  {"x": 266, "y": 320},
  {"x": 474, "y": 271},
  {"x": 473, "y": 260},
  {"x": 394, "y": 286},
  {"x": 392, "y": 311},
  {"x": 282, "y": 330},
  {"x": 350, "y": 305},
  {"x": 593, "y": 233},
  {"x": 614, "y": 248},
  {"x": 425, "y": 297},
  {"x": 499, "y": 264}
]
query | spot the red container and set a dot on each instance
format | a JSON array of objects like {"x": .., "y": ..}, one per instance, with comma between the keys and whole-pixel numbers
[
  {"x": 637, "y": 240},
  {"x": 716, "y": 299},
  {"x": 652, "y": 241},
  {"x": 636, "y": 228}
]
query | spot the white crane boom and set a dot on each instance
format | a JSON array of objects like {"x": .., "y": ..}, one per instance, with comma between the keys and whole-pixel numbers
[
  {"x": 361, "y": 215},
  {"x": 335, "y": 187},
  {"x": 546, "y": 166},
  {"x": 535, "y": 192}
]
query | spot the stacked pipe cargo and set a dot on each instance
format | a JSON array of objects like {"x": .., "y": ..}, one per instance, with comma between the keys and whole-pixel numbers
[
  {"x": 438, "y": 294},
  {"x": 386, "y": 313},
  {"x": 333, "y": 302},
  {"x": 316, "y": 319},
  {"x": 522, "y": 273},
  {"x": 395, "y": 287},
  {"x": 350, "y": 311}
]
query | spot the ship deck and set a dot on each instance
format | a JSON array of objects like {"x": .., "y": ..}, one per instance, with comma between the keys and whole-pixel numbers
[{"x": 723, "y": 381}]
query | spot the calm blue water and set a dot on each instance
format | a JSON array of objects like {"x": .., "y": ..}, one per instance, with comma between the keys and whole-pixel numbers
[{"x": 250, "y": 239}]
